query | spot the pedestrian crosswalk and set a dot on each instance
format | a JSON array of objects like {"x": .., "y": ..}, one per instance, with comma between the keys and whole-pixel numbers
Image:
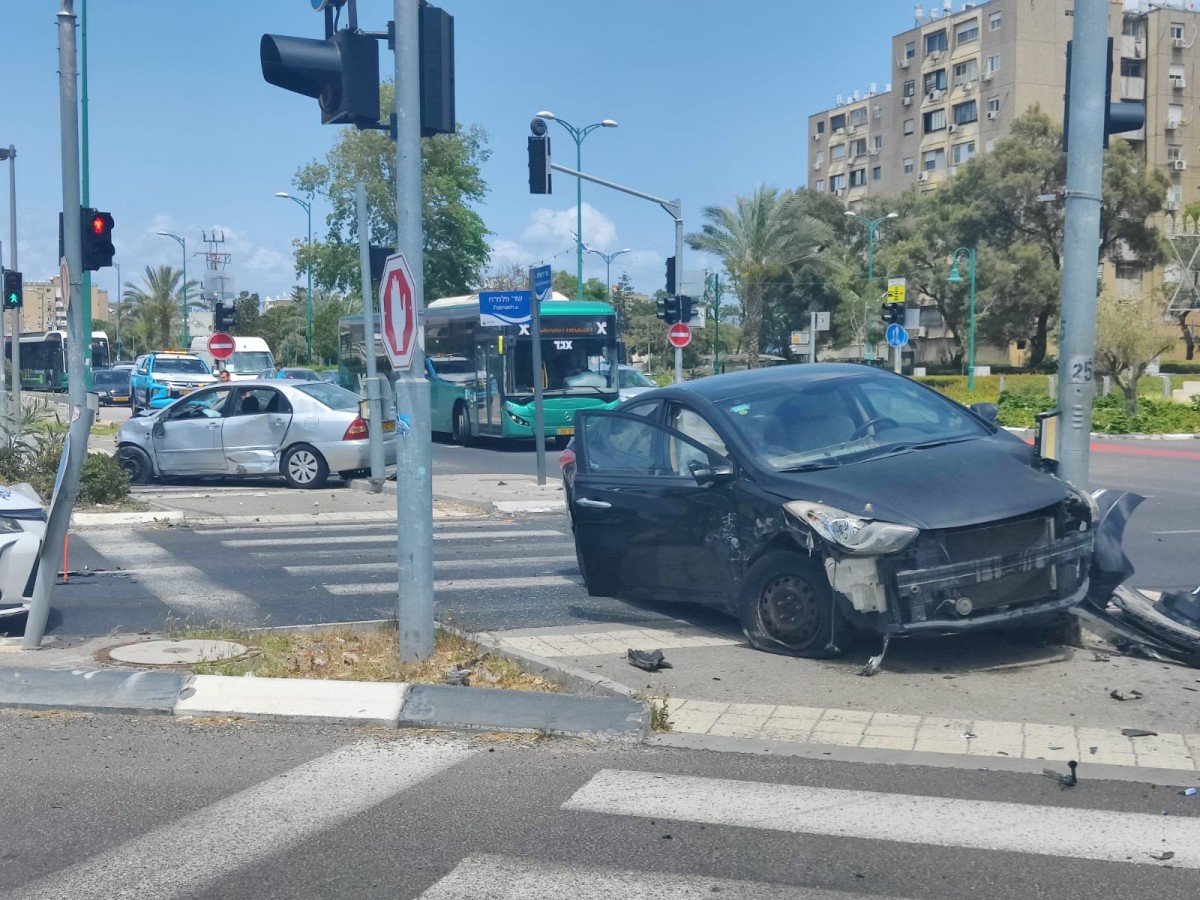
[{"x": 259, "y": 825}]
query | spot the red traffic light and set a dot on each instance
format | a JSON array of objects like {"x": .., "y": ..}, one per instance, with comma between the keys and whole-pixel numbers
[{"x": 98, "y": 224}]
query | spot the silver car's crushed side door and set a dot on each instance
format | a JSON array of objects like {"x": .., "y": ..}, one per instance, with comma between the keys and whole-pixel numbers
[
  {"x": 253, "y": 432},
  {"x": 186, "y": 439}
]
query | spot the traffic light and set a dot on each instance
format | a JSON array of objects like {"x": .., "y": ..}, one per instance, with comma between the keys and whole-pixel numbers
[
  {"x": 668, "y": 309},
  {"x": 14, "y": 290},
  {"x": 1118, "y": 117},
  {"x": 539, "y": 158},
  {"x": 224, "y": 315},
  {"x": 341, "y": 72},
  {"x": 96, "y": 239},
  {"x": 893, "y": 312},
  {"x": 437, "y": 70},
  {"x": 671, "y": 275},
  {"x": 685, "y": 309}
]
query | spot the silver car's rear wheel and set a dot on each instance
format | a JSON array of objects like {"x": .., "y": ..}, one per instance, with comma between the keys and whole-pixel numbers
[{"x": 303, "y": 467}]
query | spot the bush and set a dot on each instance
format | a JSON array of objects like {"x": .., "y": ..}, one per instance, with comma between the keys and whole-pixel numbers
[
  {"x": 1180, "y": 368},
  {"x": 103, "y": 480}
]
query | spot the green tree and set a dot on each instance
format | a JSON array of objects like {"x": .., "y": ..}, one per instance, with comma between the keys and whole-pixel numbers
[
  {"x": 567, "y": 284},
  {"x": 246, "y": 317},
  {"x": 622, "y": 296},
  {"x": 328, "y": 310},
  {"x": 156, "y": 305},
  {"x": 762, "y": 240},
  {"x": 283, "y": 328},
  {"x": 1128, "y": 337},
  {"x": 455, "y": 246}
]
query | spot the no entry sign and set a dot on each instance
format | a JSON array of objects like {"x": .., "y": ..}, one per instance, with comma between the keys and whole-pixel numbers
[
  {"x": 220, "y": 345},
  {"x": 680, "y": 335}
]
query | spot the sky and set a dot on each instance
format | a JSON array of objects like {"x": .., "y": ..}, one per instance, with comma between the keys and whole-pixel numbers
[{"x": 712, "y": 99}]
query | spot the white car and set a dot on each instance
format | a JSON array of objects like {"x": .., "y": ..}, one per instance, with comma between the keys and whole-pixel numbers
[{"x": 22, "y": 528}]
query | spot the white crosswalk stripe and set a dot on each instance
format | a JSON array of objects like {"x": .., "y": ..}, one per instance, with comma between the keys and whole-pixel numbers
[
  {"x": 1088, "y": 834},
  {"x": 549, "y": 560},
  {"x": 390, "y": 538},
  {"x": 447, "y": 586}
]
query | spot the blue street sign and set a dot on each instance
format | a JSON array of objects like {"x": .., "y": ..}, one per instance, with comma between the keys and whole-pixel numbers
[
  {"x": 541, "y": 283},
  {"x": 504, "y": 308},
  {"x": 896, "y": 335}
]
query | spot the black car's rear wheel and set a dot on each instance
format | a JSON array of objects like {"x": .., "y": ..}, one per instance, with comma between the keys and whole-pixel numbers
[{"x": 787, "y": 607}]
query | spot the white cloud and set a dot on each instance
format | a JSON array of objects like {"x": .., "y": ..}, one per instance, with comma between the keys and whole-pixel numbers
[{"x": 558, "y": 227}]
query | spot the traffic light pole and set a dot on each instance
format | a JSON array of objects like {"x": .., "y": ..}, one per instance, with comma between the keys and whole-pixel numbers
[
  {"x": 674, "y": 208},
  {"x": 12, "y": 261}
]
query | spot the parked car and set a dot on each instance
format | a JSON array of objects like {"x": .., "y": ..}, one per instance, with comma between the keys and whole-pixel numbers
[
  {"x": 112, "y": 386},
  {"x": 22, "y": 528},
  {"x": 299, "y": 430},
  {"x": 804, "y": 499},
  {"x": 291, "y": 373}
]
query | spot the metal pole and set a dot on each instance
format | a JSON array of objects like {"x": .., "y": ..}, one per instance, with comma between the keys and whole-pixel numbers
[
  {"x": 716, "y": 324},
  {"x": 870, "y": 287},
  {"x": 80, "y": 413},
  {"x": 578, "y": 135},
  {"x": 86, "y": 293},
  {"x": 678, "y": 285},
  {"x": 971, "y": 338},
  {"x": 17, "y": 314},
  {"x": 117, "y": 313},
  {"x": 812, "y": 337},
  {"x": 186, "y": 340},
  {"x": 539, "y": 411},
  {"x": 308, "y": 267},
  {"x": 414, "y": 463},
  {"x": 374, "y": 400},
  {"x": 1081, "y": 232}
]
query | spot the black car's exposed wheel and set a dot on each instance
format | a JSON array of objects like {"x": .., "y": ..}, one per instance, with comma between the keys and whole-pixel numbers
[
  {"x": 136, "y": 463},
  {"x": 303, "y": 467},
  {"x": 787, "y": 607},
  {"x": 461, "y": 426}
]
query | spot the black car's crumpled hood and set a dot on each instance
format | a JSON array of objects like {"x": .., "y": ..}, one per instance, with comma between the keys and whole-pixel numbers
[{"x": 959, "y": 484}]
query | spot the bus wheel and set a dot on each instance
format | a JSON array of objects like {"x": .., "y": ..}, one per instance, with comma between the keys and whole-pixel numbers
[
  {"x": 461, "y": 426},
  {"x": 136, "y": 463},
  {"x": 561, "y": 441}
]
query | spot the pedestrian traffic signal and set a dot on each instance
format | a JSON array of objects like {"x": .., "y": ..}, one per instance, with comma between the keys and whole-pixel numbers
[
  {"x": 341, "y": 72},
  {"x": 893, "y": 312},
  {"x": 96, "y": 240},
  {"x": 685, "y": 309},
  {"x": 539, "y": 158},
  {"x": 14, "y": 291},
  {"x": 671, "y": 275}
]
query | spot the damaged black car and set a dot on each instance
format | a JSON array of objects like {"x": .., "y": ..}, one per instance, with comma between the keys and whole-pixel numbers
[{"x": 810, "y": 500}]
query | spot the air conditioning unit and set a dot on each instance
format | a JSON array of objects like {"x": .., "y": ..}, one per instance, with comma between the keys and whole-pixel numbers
[
  {"x": 1179, "y": 164},
  {"x": 987, "y": 76},
  {"x": 934, "y": 95},
  {"x": 816, "y": 137},
  {"x": 816, "y": 167},
  {"x": 950, "y": 129},
  {"x": 853, "y": 129},
  {"x": 902, "y": 63},
  {"x": 1178, "y": 43},
  {"x": 968, "y": 86},
  {"x": 992, "y": 113},
  {"x": 917, "y": 331},
  {"x": 922, "y": 176},
  {"x": 1172, "y": 205},
  {"x": 839, "y": 131},
  {"x": 934, "y": 57},
  {"x": 841, "y": 192},
  {"x": 1172, "y": 124},
  {"x": 1178, "y": 82},
  {"x": 906, "y": 101},
  {"x": 874, "y": 151}
]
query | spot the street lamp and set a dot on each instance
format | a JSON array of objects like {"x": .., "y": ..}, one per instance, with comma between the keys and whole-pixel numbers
[
  {"x": 307, "y": 262},
  {"x": 872, "y": 226},
  {"x": 608, "y": 258},
  {"x": 955, "y": 278},
  {"x": 578, "y": 134},
  {"x": 182, "y": 242}
]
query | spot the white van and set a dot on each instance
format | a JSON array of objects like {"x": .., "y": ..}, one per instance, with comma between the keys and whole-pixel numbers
[{"x": 251, "y": 356}]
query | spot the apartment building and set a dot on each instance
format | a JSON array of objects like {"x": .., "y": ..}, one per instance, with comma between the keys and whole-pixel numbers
[{"x": 45, "y": 308}]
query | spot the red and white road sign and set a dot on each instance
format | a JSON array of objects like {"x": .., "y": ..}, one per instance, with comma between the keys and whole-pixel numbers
[
  {"x": 679, "y": 335},
  {"x": 220, "y": 345},
  {"x": 398, "y": 312}
]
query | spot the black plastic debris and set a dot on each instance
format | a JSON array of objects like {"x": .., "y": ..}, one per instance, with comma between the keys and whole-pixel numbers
[
  {"x": 1138, "y": 732},
  {"x": 872, "y": 665},
  {"x": 1069, "y": 779},
  {"x": 1163, "y": 856},
  {"x": 650, "y": 660},
  {"x": 460, "y": 677},
  {"x": 1133, "y": 694}
]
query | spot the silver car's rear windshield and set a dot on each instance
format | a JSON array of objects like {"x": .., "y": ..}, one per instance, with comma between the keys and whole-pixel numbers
[{"x": 330, "y": 395}]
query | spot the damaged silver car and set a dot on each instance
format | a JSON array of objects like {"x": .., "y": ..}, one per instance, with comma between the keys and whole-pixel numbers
[
  {"x": 808, "y": 500},
  {"x": 300, "y": 430}
]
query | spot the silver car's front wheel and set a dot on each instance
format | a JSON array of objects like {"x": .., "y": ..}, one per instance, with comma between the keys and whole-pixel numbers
[{"x": 303, "y": 467}]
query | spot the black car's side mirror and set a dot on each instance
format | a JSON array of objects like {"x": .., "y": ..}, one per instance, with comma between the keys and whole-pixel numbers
[
  {"x": 988, "y": 411},
  {"x": 713, "y": 473}
]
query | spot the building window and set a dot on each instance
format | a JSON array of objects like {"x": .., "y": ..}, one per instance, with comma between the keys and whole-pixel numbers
[
  {"x": 858, "y": 147},
  {"x": 992, "y": 65},
  {"x": 858, "y": 177},
  {"x": 837, "y": 182},
  {"x": 994, "y": 22},
  {"x": 910, "y": 87},
  {"x": 821, "y": 127},
  {"x": 820, "y": 160},
  {"x": 877, "y": 112},
  {"x": 1131, "y": 68},
  {"x": 908, "y": 165},
  {"x": 836, "y": 152},
  {"x": 908, "y": 126},
  {"x": 910, "y": 49},
  {"x": 961, "y": 153},
  {"x": 877, "y": 142},
  {"x": 935, "y": 81},
  {"x": 1174, "y": 114},
  {"x": 935, "y": 41},
  {"x": 968, "y": 32},
  {"x": 820, "y": 185},
  {"x": 932, "y": 160},
  {"x": 935, "y": 120},
  {"x": 1129, "y": 27},
  {"x": 966, "y": 112},
  {"x": 994, "y": 104},
  {"x": 1177, "y": 31},
  {"x": 877, "y": 173},
  {"x": 838, "y": 121},
  {"x": 1177, "y": 74},
  {"x": 1174, "y": 151},
  {"x": 1128, "y": 272},
  {"x": 966, "y": 71},
  {"x": 858, "y": 116}
]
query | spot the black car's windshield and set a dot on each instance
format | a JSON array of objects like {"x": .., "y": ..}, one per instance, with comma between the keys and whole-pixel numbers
[{"x": 846, "y": 420}]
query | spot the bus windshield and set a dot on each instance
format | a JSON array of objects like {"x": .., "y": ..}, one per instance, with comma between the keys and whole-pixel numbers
[{"x": 577, "y": 366}]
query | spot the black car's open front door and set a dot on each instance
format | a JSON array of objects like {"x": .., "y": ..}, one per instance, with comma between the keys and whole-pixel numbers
[{"x": 653, "y": 510}]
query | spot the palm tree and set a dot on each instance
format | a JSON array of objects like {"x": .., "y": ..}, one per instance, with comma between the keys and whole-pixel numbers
[
  {"x": 157, "y": 304},
  {"x": 767, "y": 235}
]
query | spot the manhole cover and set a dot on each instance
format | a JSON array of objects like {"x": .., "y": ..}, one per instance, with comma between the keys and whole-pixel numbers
[{"x": 174, "y": 653}]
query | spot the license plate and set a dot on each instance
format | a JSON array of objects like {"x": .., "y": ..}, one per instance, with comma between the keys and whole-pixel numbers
[
  {"x": 389, "y": 426},
  {"x": 120, "y": 399},
  {"x": 566, "y": 431}
]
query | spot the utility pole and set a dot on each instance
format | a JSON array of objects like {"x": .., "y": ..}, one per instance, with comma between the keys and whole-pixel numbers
[
  {"x": 11, "y": 155},
  {"x": 86, "y": 292}
]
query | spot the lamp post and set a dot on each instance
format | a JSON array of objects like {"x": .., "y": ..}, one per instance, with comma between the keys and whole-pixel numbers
[
  {"x": 307, "y": 264},
  {"x": 872, "y": 226},
  {"x": 10, "y": 153},
  {"x": 955, "y": 278},
  {"x": 578, "y": 134},
  {"x": 182, "y": 242},
  {"x": 608, "y": 258}
]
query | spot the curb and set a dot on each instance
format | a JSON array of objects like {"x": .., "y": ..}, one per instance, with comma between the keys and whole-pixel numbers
[
  {"x": 86, "y": 520},
  {"x": 1185, "y": 436},
  {"x": 392, "y": 705}
]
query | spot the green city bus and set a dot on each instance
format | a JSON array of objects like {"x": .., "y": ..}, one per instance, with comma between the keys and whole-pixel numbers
[
  {"x": 481, "y": 376},
  {"x": 44, "y": 357}
]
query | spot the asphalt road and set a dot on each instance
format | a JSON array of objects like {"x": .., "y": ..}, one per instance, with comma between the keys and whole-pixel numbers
[{"x": 104, "y": 807}]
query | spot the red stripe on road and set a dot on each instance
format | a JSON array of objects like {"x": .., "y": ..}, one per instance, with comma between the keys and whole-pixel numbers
[{"x": 1161, "y": 452}]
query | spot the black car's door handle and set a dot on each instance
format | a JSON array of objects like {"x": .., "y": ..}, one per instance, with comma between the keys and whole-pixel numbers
[{"x": 595, "y": 504}]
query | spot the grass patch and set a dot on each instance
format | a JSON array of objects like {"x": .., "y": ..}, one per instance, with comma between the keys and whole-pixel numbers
[
  {"x": 349, "y": 655},
  {"x": 105, "y": 429},
  {"x": 660, "y": 710}
]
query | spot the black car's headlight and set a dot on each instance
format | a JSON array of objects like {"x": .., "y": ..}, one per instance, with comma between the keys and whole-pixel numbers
[{"x": 854, "y": 534}]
